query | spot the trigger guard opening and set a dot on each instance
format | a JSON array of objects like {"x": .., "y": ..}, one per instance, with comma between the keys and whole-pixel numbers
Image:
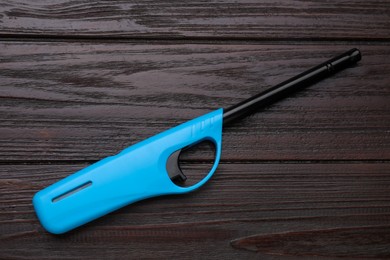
[
  {"x": 173, "y": 168},
  {"x": 176, "y": 174}
]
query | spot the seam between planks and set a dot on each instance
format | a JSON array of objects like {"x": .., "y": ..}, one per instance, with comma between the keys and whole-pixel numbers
[
  {"x": 73, "y": 162},
  {"x": 192, "y": 39}
]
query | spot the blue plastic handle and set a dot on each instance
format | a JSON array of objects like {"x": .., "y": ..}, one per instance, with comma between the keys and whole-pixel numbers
[{"x": 136, "y": 173}]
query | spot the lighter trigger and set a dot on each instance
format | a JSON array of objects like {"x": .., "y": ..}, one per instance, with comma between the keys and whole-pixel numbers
[{"x": 173, "y": 168}]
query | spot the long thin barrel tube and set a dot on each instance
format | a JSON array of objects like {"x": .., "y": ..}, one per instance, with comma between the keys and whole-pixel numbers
[{"x": 293, "y": 84}]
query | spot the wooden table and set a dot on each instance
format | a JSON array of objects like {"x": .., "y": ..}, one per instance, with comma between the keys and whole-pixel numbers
[{"x": 308, "y": 176}]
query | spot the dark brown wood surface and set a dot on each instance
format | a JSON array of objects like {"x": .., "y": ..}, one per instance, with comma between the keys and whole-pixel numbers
[
  {"x": 308, "y": 176},
  {"x": 332, "y": 20}
]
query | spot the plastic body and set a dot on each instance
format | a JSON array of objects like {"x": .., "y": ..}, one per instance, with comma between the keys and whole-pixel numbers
[{"x": 136, "y": 173}]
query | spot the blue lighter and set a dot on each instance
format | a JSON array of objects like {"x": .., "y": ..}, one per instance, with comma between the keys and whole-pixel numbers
[{"x": 119, "y": 180}]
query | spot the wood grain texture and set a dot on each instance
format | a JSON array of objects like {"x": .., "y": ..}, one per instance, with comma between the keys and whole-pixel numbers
[
  {"x": 366, "y": 242},
  {"x": 332, "y": 20},
  {"x": 307, "y": 177},
  {"x": 241, "y": 200},
  {"x": 85, "y": 101}
]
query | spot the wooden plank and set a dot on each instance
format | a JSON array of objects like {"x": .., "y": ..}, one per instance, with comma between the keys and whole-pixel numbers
[
  {"x": 77, "y": 101},
  {"x": 353, "y": 19},
  {"x": 269, "y": 200},
  {"x": 366, "y": 242}
]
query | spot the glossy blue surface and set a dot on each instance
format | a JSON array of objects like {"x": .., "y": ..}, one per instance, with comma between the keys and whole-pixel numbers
[{"x": 136, "y": 173}]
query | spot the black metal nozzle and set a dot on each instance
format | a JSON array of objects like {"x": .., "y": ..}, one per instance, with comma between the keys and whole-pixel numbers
[{"x": 296, "y": 83}]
